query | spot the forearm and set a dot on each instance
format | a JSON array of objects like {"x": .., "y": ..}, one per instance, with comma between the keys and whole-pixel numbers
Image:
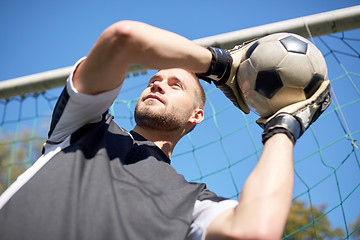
[
  {"x": 127, "y": 43},
  {"x": 266, "y": 197},
  {"x": 159, "y": 49}
]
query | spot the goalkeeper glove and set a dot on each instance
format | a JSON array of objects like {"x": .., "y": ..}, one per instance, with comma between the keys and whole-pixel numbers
[
  {"x": 294, "y": 119},
  {"x": 223, "y": 70}
]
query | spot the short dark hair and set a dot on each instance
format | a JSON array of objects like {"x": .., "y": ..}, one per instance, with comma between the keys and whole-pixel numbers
[
  {"x": 200, "y": 94},
  {"x": 200, "y": 98}
]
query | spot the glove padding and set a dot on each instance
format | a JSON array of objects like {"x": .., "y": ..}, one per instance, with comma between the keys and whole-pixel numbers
[
  {"x": 294, "y": 119},
  {"x": 223, "y": 70}
]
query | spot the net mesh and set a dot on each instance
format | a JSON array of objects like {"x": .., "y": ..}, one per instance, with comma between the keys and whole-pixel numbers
[{"x": 223, "y": 150}]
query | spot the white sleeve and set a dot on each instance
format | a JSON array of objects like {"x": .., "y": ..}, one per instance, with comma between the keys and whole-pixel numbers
[
  {"x": 204, "y": 213},
  {"x": 78, "y": 109}
]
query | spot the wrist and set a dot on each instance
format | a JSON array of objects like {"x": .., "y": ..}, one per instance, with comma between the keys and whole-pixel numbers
[{"x": 280, "y": 138}]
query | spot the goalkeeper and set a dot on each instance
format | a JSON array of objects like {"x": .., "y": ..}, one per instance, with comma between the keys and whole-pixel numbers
[{"x": 96, "y": 180}]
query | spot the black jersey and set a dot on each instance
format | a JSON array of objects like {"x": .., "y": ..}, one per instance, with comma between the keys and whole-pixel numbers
[{"x": 102, "y": 182}]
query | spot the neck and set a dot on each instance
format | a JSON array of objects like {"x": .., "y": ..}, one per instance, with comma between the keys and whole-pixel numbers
[{"x": 165, "y": 140}]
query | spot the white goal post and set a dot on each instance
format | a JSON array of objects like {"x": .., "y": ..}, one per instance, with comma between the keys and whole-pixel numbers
[{"x": 318, "y": 24}]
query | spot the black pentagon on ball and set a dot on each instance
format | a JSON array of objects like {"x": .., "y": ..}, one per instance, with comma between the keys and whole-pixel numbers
[
  {"x": 293, "y": 44},
  {"x": 313, "y": 85},
  {"x": 268, "y": 82},
  {"x": 251, "y": 49}
]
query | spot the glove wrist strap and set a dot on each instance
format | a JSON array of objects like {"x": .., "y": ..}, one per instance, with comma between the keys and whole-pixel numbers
[
  {"x": 220, "y": 66},
  {"x": 282, "y": 123}
]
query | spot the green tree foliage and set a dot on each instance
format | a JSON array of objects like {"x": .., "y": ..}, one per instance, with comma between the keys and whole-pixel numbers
[
  {"x": 17, "y": 153},
  {"x": 355, "y": 226},
  {"x": 309, "y": 223}
]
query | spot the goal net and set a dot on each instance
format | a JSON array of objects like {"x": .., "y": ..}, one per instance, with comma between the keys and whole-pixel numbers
[{"x": 223, "y": 150}]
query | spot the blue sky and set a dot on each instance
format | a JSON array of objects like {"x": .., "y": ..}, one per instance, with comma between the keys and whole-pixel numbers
[
  {"x": 44, "y": 35},
  {"x": 38, "y": 36}
]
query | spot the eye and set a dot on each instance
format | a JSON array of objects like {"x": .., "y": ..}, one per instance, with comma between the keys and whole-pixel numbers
[{"x": 177, "y": 85}]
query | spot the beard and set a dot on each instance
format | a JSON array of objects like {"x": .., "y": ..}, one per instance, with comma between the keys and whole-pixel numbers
[{"x": 169, "y": 120}]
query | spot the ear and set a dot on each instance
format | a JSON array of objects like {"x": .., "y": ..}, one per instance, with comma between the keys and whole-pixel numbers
[{"x": 197, "y": 116}]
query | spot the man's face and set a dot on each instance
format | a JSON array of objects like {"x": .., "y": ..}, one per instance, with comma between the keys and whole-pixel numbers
[{"x": 168, "y": 101}]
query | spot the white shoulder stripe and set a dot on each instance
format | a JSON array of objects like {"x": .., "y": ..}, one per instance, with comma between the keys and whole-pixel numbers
[{"x": 81, "y": 109}]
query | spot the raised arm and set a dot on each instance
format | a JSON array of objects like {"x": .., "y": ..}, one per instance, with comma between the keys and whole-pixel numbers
[
  {"x": 126, "y": 43},
  {"x": 265, "y": 199}
]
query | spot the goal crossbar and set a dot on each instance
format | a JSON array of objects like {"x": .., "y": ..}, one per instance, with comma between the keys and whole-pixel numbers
[{"x": 340, "y": 20}]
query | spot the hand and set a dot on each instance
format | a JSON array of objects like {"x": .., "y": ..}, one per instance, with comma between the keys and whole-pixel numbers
[
  {"x": 294, "y": 119},
  {"x": 222, "y": 72}
]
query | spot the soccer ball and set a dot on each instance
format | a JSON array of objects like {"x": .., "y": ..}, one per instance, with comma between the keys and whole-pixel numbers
[{"x": 280, "y": 69}]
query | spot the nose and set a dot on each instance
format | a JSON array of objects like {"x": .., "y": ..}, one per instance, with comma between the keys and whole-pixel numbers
[{"x": 157, "y": 87}]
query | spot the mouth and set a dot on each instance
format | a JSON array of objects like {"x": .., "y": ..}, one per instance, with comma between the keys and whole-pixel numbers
[{"x": 153, "y": 97}]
